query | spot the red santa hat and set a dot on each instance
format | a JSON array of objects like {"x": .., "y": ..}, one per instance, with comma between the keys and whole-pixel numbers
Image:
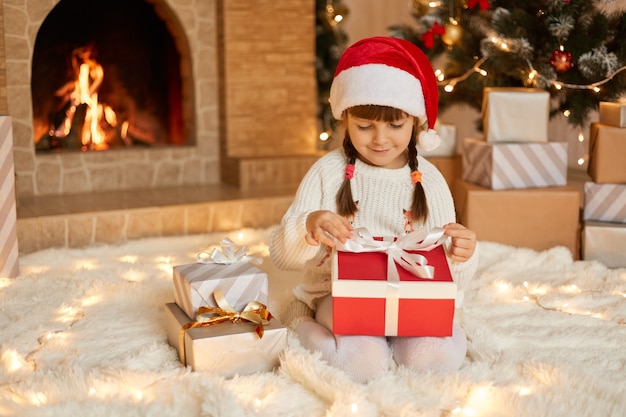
[{"x": 388, "y": 72}]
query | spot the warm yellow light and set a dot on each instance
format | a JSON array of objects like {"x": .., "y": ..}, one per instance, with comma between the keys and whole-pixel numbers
[
  {"x": 338, "y": 18},
  {"x": 581, "y": 161},
  {"x": 449, "y": 88},
  {"x": 91, "y": 300},
  {"x": 567, "y": 113},
  {"x": 324, "y": 136},
  {"x": 558, "y": 86},
  {"x": 596, "y": 89}
]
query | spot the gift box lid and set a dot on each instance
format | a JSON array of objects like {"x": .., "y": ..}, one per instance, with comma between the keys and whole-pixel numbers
[{"x": 365, "y": 275}]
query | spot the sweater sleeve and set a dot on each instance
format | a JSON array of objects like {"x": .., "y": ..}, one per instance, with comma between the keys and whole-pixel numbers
[{"x": 288, "y": 248}]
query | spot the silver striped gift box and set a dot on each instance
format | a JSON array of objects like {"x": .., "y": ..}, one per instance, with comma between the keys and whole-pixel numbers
[
  {"x": 605, "y": 202},
  {"x": 9, "y": 263},
  {"x": 514, "y": 165},
  {"x": 241, "y": 282}
]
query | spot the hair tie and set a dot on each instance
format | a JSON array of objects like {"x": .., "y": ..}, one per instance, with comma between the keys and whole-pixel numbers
[
  {"x": 349, "y": 174},
  {"x": 416, "y": 176}
]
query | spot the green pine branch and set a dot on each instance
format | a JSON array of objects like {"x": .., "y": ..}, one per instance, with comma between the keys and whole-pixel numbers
[{"x": 534, "y": 30}]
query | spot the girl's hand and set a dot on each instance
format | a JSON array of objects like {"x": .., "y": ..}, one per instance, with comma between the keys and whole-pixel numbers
[
  {"x": 463, "y": 241},
  {"x": 323, "y": 226}
]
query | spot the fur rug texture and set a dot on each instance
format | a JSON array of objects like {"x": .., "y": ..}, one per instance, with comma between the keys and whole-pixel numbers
[{"x": 81, "y": 334}]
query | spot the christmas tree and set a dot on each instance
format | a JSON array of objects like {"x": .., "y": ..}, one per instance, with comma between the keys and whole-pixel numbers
[
  {"x": 330, "y": 42},
  {"x": 571, "y": 48}
]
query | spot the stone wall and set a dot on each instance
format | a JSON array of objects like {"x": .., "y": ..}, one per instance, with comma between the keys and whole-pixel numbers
[{"x": 253, "y": 75}]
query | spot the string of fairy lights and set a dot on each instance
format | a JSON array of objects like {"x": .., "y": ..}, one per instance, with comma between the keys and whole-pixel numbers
[
  {"x": 568, "y": 299},
  {"x": 453, "y": 33}
]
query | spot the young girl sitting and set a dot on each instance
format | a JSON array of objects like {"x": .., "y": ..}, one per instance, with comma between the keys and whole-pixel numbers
[{"x": 385, "y": 92}]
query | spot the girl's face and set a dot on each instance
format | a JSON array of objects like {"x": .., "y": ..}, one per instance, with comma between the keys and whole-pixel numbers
[{"x": 379, "y": 143}]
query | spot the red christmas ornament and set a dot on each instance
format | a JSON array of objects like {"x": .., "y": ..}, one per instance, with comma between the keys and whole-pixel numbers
[
  {"x": 429, "y": 36},
  {"x": 561, "y": 61},
  {"x": 483, "y": 4},
  {"x": 566, "y": 2}
]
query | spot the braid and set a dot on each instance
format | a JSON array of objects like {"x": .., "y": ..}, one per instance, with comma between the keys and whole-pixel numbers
[
  {"x": 419, "y": 208},
  {"x": 345, "y": 203}
]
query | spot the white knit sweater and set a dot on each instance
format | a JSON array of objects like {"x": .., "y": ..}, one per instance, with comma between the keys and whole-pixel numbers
[{"x": 382, "y": 195}]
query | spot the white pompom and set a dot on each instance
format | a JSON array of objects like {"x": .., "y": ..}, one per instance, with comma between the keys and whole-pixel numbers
[{"x": 429, "y": 140}]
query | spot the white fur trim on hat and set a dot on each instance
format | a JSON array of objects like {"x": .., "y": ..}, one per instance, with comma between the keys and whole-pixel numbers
[{"x": 377, "y": 84}]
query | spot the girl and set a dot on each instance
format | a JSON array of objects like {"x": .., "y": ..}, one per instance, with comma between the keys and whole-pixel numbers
[{"x": 385, "y": 92}]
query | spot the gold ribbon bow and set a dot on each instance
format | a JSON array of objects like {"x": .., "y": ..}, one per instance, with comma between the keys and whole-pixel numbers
[{"x": 254, "y": 312}]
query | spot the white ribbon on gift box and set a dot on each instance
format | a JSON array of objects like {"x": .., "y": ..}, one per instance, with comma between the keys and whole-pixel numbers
[
  {"x": 397, "y": 253},
  {"x": 227, "y": 255}
]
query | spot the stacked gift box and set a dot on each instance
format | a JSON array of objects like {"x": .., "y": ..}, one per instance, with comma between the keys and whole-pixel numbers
[
  {"x": 604, "y": 212},
  {"x": 446, "y": 156},
  {"x": 9, "y": 263},
  {"x": 514, "y": 180},
  {"x": 219, "y": 321}
]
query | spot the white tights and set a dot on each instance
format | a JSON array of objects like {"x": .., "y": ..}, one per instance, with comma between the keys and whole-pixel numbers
[{"x": 366, "y": 357}]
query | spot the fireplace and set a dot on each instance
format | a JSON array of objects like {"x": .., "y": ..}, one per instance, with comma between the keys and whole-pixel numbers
[
  {"x": 240, "y": 96},
  {"x": 107, "y": 75}
]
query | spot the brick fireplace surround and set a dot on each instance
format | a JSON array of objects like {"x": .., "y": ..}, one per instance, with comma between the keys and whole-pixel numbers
[{"x": 249, "y": 78}]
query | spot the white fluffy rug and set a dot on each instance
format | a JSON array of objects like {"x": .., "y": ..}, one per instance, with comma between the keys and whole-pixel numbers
[{"x": 81, "y": 335}]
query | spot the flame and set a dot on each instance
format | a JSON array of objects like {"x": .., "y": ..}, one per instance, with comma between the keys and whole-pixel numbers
[{"x": 90, "y": 76}]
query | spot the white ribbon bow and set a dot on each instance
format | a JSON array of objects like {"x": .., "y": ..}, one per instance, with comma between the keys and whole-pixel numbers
[
  {"x": 228, "y": 255},
  {"x": 422, "y": 240}
]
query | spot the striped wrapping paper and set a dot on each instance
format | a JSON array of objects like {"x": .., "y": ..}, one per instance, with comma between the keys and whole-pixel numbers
[
  {"x": 9, "y": 263},
  {"x": 240, "y": 282},
  {"x": 605, "y": 202},
  {"x": 519, "y": 165}
]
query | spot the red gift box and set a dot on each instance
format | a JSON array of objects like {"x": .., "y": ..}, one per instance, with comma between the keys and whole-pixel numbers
[{"x": 367, "y": 301}]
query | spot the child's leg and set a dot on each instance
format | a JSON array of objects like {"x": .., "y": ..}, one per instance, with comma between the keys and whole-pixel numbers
[
  {"x": 437, "y": 354},
  {"x": 363, "y": 357}
]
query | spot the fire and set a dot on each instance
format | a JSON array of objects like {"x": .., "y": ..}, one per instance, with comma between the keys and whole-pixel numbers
[
  {"x": 95, "y": 119},
  {"x": 90, "y": 76}
]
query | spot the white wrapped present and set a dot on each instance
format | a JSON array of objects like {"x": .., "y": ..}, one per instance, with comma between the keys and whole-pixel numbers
[
  {"x": 447, "y": 133},
  {"x": 512, "y": 114},
  {"x": 229, "y": 270},
  {"x": 604, "y": 242}
]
